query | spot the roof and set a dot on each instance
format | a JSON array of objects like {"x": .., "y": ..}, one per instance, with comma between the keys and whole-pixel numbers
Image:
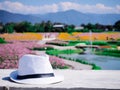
[{"x": 60, "y": 25}]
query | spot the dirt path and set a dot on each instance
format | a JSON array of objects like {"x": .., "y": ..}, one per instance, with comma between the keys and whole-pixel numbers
[{"x": 78, "y": 66}]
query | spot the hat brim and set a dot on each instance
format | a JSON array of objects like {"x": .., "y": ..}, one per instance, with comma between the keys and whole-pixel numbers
[{"x": 45, "y": 80}]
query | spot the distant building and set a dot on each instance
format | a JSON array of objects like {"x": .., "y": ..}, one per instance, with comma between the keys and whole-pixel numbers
[
  {"x": 79, "y": 28},
  {"x": 58, "y": 27}
]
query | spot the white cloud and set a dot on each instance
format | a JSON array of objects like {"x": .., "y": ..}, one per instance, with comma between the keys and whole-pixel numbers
[
  {"x": 118, "y": 8},
  {"x": 27, "y": 9},
  {"x": 68, "y": 5},
  {"x": 98, "y": 8},
  {"x": 18, "y": 7}
]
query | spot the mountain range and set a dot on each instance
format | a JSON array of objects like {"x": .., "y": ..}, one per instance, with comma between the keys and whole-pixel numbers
[{"x": 68, "y": 17}]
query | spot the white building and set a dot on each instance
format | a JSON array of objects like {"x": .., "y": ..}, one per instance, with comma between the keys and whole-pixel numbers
[{"x": 79, "y": 28}]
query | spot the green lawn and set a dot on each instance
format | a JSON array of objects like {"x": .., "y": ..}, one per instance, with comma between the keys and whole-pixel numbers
[{"x": 56, "y": 52}]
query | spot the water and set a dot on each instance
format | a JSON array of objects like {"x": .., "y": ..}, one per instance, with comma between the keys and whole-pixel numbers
[{"x": 105, "y": 62}]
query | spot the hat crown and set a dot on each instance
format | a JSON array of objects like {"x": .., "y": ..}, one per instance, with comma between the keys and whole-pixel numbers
[{"x": 34, "y": 64}]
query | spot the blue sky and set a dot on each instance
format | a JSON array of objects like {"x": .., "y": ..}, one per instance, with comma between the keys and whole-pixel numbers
[{"x": 51, "y": 6}]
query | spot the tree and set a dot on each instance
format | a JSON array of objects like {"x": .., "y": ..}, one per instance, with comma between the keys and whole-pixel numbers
[
  {"x": 91, "y": 26},
  {"x": 1, "y": 28},
  {"x": 109, "y": 27},
  {"x": 42, "y": 26},
  {"x": 24, "y": 27},
  {"x": 39, "y": 26},
  {"x": 70, "y": 28},
  {"x": 48, "y": 26},
  {"x": 117, "y": 25},
  {"x": 9, "y": 27}
]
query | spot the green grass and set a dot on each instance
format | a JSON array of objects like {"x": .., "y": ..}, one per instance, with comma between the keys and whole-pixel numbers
[
  {"x": 68, "y": 51},
  {"x": 113, "y": 46},
  {"x": 109, "y": 52},
  {"x": 73, "y": 43}
]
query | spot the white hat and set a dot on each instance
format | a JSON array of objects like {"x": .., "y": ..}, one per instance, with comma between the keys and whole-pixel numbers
[{"x": 34, "y": 69}]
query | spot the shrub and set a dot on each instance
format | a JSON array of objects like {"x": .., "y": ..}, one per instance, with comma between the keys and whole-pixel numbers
[
  {"x": 112, "y": 42},
  {"x": 43, "y": 48},
  {"x": 72, "y": 43},
  {"x": 58, "y": 42},
  {"x": 109, "y": 52},
  {"x": 95, "y": 67},
  {"x": 2, "y": 40},
  {"x": 101, "y": 43},
  {"x": 118, "y": 43}
]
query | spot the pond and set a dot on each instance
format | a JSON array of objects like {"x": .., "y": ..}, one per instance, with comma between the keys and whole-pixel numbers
[{"x": 105, "y": 62}]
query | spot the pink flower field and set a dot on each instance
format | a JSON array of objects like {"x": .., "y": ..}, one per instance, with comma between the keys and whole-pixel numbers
[
  {"x": 57, "y": 62},
  {"x": 10, "y": 54}
]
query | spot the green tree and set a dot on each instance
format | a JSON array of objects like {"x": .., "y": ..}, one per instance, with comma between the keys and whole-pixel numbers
[
  {"x": 1, "y": 28},
  {"x": 9, "y": 27},
  {"x": 91, "y": 26},
  {"x": 48, "y": 26},
  {"x": 117, "y": 25},
  {"x": 39, "y": 27},
  {"x": 24, "y": 27},
  {"x": 109, "y": 27},
  {"x": 70, "y": 28}
]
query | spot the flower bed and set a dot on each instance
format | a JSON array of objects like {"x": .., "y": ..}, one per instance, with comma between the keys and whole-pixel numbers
[
  {"x": 21, "y": 36},
  {"x": 57, "y": 62},
  {"x": 11, "y": 53},
  {"x": 99, "y": 36},
  {"x": 66, "y": 37},
  {"x": 86, "y": 36}
]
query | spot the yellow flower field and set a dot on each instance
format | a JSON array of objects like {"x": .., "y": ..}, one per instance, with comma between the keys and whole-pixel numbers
[
  {"x": 21, "y": 36},
  {"x": 86, "y": 36},
  {"x": 66, "y": 37},
  {"x": 62, "y": 36}
]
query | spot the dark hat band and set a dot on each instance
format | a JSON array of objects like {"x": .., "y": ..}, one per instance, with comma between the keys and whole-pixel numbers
[{"x": 35, "y": 76}]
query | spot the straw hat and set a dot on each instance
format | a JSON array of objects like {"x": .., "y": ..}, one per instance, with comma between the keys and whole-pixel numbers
[{"x": 34, "y": 69}]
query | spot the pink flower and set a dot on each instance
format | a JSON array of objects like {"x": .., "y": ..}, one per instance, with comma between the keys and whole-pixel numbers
[
  {"x": 57, "y": 62},
  {"x": 10, "y": 53}
]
